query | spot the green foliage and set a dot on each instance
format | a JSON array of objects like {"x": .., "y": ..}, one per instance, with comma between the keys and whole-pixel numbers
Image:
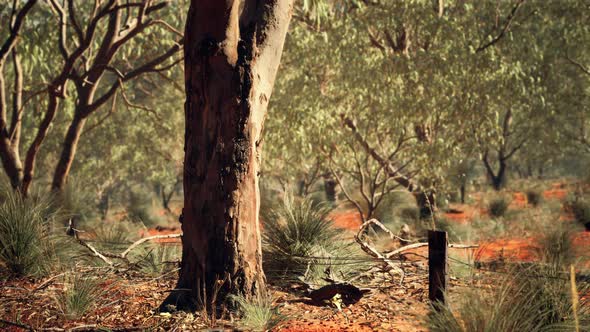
[
  {"x": 258, "y": 313},
  {"x": 534, "y": 197},
  {"x": 296, "y": 233},
  {"x": 498, "y": 206},
  {"x": 25, "y": 244},
  {"x": 78, "y": 296}
]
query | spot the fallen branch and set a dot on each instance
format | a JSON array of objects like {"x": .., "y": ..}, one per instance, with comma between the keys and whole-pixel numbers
[
  {"x": 123, "y": 255},
  {"x": 95, "y": 252},
  {"x": 374, "y": 252}
]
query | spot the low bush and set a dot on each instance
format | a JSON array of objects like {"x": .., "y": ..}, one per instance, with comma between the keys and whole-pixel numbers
[
  {"x": 534, "y": 197},
  {"x": 498, "y": 207}
]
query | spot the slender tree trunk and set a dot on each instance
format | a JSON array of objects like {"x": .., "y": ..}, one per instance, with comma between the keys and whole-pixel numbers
[
  {"x": 462, "y": 192},
  {"x": 498, "y": 180},
  {"x": 69, "y": 146},
  {"x": 29, "y": 169},
  {"x": 231, "y": 59}
]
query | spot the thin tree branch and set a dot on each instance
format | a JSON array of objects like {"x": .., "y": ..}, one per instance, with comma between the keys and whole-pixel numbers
[{"x": 507, "y": 25}]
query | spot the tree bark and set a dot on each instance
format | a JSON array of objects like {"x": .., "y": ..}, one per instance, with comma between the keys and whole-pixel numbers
[
  {"x": 497, "y": 179},
  {"x": 69, "y": 146},
  {"x": 231, "y": 59}
]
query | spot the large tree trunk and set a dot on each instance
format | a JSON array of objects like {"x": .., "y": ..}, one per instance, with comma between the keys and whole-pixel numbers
[{"x": 231, "y": 59}]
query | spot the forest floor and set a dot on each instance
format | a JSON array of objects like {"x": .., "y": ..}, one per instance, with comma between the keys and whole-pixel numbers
[{"x": 128, "y": 299}]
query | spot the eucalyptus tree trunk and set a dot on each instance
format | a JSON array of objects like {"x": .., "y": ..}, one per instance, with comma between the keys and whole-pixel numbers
[{"x": 232, "y": 53}]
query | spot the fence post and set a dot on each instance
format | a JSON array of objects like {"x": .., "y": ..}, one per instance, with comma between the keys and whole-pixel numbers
[{"x": 437, "y": 266}]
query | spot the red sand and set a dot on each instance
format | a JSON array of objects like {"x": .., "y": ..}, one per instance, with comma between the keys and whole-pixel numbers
[{"x": 347, "y": 219}]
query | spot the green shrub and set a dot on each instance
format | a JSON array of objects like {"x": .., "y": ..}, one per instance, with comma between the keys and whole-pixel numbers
[
  {"x": 78, "y": 296},
  {"x": 581, "y": 211},
  {"x": 498, "y": 207},
  {"x": 295, "y": 233},
  {"x": 258, "y": 313},
  {"x": 534, "y": 197},
  {"x": 25, "y": 242}
]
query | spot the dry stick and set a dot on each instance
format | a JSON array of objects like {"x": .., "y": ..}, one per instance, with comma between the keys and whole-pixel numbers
[
  {"x": 95, "y": 252},
  {"x": 373, "y": 252},
  {"x": 145, "y": 239},
  {"x": 22, "y": 326},
  {"x": 380, "y": 225}
]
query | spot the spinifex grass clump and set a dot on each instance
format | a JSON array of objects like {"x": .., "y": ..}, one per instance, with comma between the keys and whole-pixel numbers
[
  {"x": 258, "y": 314},
  {"x": 295, "y": 234},
  {"x": 498, "y": 206},
  {"x": 534, "y": 197},
  {"x": 78, "y": 296},
  {"x": 25, "y": 242}
]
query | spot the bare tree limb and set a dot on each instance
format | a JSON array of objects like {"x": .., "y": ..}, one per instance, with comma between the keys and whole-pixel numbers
[
  {"x": 578, "y": 64},
  {"x": 507, "y": 25}
]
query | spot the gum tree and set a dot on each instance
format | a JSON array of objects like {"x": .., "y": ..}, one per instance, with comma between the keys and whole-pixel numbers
[{"x": 232, "y": 53}]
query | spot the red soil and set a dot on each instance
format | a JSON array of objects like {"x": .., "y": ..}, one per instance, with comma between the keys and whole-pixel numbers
[
  {"x": 519, "y": 201},
  {"x": 515, "y": 250},
  {"x": 557, "y": 191},
  {"x": 350, "y": 219},
  {"x": 463, "y": 214}
]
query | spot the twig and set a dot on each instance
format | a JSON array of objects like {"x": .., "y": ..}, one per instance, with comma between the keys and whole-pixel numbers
[
  {"x": 424, "y": 244},
  {"x": 22, "y": 326},
  {"x": 583, "y": 68},
  {"x": 509, "y": 20}
]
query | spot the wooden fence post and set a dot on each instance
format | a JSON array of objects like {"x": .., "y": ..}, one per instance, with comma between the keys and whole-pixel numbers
[{"x": 437, "y": 266}]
